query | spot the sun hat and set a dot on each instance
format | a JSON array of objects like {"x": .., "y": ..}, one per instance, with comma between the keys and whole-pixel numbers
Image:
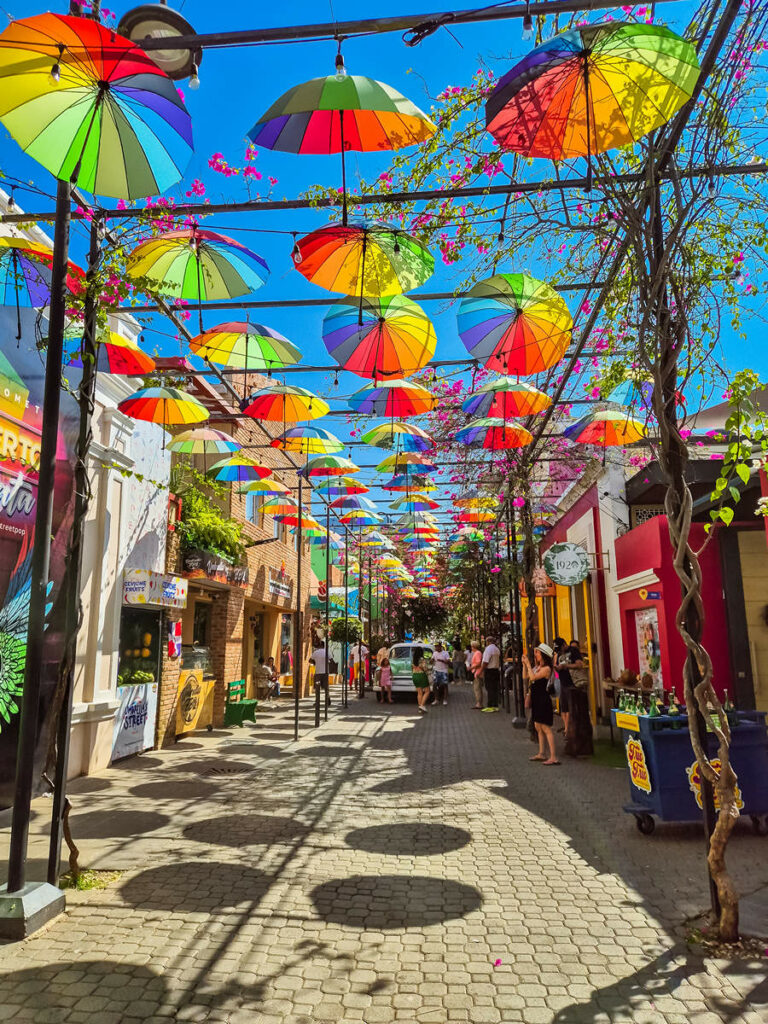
[{"x": 545, "y": 649}]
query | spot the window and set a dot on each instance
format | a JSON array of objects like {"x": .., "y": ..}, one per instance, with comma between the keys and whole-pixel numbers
[
  {"x": 250, "y": 508},
  {"x": 201, "y": 626},
  {"x": 276, "y": 528}
]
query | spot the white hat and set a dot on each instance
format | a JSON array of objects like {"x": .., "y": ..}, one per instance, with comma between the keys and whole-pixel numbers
[{"x": 546, "y": 649}]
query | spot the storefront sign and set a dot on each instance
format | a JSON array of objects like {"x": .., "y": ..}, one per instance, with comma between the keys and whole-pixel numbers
[
  {"x": 648, "y": 646},
  {"x": 204, "y": 565},
  {"x": 694, "y": 781},
  {"x": 638, "y": 769},
  {"x": 628, "y": 722},
  {"x": 649, "y": 595},
  {"x": 142, "y": 586},
  {"x": 280, "y": 585},
  {"x": 566, "y": 564},
  {"x": 542, "y": 584},
  {"x": 134, "y": 729},
  {"x": 194, "y": 701}
]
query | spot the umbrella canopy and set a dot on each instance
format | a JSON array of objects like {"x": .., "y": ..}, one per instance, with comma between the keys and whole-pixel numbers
[
  {"x": 117, "y": 354},
  {"x": 92, "y": 107},
  {"x": 328, "y": 465},
  {"x": 393, "y": 398},
  {"x": 316, "y": 532},
  {"x": 360, "y": 517},
  {"x": 379, "y": 338},
  {"x": 336, "y": 486},
  {"x": 606, "y": 429},
  {"x": 406, "y": 437},
  {"x": 203, "y": 441},
  {"x": 505, "y": 397},
  {"x": 353, "y": 501},
  {"x": 514, "y": 324},
  {"x": 308, "y": 441},
  {"x": 475, "y": 499},
  {"x": 409, "y": 482},
  {"x": 405, "y": 463},
  {"x": 634, "y": 395},
  {"x": 283, "y": 505},
  {"x": 168, "y": 406},
  {"x": 245, "y": 346},
  {"x": 238, "y": 470},
  {"x": 197, "y": 265},
  {"x": 365, "y": 259},
  {"x": 591, "y": 89},
  {"x": 285, "y": 403},
  {"x": 25, "y": 275},
  {"x": 477, "y": 515},
  {"x": 264, "y": 488},
  {"x": 306, "y": 522},
  {"x": 414, "y": 503}
]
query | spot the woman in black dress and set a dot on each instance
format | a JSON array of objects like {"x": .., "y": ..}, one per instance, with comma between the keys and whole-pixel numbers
[{"x": 538, "y": 676}]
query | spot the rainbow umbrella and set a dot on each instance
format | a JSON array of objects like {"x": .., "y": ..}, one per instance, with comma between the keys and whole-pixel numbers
[
  {"x": 168, "y": 406},
  {"x": 406, "y": 462},
  {"x": 360, "y": 517},
  {"x": 505, "y": 397},
  {"x": 606, "y": 429},
  {"x": 92, "y": 107},
  {"x": 591, "y": 89},
  {"x": 477, "y": 515},
  {"x": 286, "y": 403},
  {"x": 405, "y": 437},
  {"x": 473, "y": 498},
  {"x": 339, "y": 485},
  {"x": 309, "y": 532},
  {"x": 117, "y": 354},
  {"x": 373, "y": 539},
  {"x": 392, "y": 398},
  {"x": 203, "y": 441},
  {"x": 514, "y": 324},
  {"x": 245, "y": 346},
  {"x": 25, "y": 275},
  {"x": 414, "y": 503},
  {"x": 421, "y": 545},
  {"x": 196, "y": 265},
  {"x": 366, "y": 259},
  {"x": 282, "y": 505},
  {"x": 409, "y": 482},
  {"x": 379, "y": 338},
  {"x": 238, "y": 470},
  {"x": 265, "y": 488},
  {"x": 354, "y": 501},
  {"x": 308, "y": 441},
  {"x": 633, "y": 395},
  {"x": 341, "y": 112},
  {"x": 328, "y": 465},
  {"x": 306, "y": 522}
]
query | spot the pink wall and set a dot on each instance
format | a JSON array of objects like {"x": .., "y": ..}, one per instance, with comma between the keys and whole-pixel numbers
[{"x": 648, "y": 547}]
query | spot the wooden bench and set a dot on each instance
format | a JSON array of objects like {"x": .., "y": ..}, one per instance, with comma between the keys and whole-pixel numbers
[{"x": 238, "y": 708}]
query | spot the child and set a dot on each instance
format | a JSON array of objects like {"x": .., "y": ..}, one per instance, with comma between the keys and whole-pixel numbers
[{"x": 385, "y": 681}]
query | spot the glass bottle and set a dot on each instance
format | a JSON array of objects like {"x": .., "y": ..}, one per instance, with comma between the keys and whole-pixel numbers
[{"x": 653, "y": 707}]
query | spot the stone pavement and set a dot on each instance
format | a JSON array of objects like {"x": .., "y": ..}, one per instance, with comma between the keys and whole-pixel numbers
[{"x": 376, "y": 871}]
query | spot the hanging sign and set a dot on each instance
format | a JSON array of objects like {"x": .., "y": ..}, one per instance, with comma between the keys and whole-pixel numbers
[
  {"x": 200, "y": 564},
  {"x": 542, "y": 584},
  {"x": 143, "y": 586},
  {"x": 638, "y": 769},
  {"x": 278, "y": 585},
  {"x": 566, "y": 564}
]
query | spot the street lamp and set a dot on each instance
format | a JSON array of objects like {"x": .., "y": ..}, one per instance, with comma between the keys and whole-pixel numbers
[{"x": 159, "y": 21}]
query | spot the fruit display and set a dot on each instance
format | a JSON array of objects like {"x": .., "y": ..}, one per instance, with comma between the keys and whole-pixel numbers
[{"x": 139, "y": 663}]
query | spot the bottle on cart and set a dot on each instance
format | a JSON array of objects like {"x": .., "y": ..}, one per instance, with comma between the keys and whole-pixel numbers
[
  {"x": 729, "y": 709},
  {"x": 653, "y": 706},
  {"x": 621, "y": 703},
  {"x": 674, "y": 709}
]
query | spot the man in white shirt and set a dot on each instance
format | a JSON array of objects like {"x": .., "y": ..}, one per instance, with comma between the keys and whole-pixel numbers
[
  {"x": 441, "y": 663},
  {"x": 321, "y": 672},
  {"x": 491, "y": 673}
]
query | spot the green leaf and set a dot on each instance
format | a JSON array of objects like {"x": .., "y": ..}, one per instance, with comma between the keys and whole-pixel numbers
[
  {"x": 743, "y": 473},
  {"x": 726, "y": 514},
  {"x": 735, "y": 494}
]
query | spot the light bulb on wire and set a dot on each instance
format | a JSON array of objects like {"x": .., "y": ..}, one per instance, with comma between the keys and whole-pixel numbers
[
  {"x": 527, "y": 24},
  {"x": 341, "y": 71},
  {"x": 194, "y": 78},
  {"x": 55, "y": 72}
]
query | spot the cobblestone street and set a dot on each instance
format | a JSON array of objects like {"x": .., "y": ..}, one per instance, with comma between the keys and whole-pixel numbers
[{"x": 376, "y": 871}]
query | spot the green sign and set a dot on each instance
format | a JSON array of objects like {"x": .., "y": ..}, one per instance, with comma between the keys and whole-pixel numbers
[{"x": 566, "y": 564}]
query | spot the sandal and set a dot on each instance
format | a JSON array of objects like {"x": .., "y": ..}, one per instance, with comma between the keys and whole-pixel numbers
[
  {"x": 550, "y": 762},
  {"x": 536, "y": 757}
]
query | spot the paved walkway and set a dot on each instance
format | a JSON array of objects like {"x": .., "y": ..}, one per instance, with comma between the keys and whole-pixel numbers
[{"x": 376, "y": 871}]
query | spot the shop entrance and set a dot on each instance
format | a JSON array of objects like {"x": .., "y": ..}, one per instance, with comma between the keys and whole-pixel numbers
[{"x": 137, "y": 681}]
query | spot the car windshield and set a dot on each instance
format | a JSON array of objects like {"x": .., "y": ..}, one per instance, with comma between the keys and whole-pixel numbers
[{"x": 401, "y": 658}]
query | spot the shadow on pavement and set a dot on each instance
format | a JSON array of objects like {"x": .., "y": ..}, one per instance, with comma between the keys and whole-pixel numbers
[
  {"x": 108, "y": 824},
  {"x": 197, "y": 790},
  {"x": 387, "y": 902},
  {"x": 244, "y": 830},
  {"x": 414, "y": 839},
  {"x": 198, "y": 885}
]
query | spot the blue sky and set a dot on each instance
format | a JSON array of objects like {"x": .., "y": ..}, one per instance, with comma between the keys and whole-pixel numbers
[{"x": 236, "y": 87}]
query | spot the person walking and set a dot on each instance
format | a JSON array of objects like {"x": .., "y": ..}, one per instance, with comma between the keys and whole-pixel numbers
[
  {"x": 561, "y": 665},
  {"x": 491, "y": 665},
  {"x": 441, "y": 667},
  {"x": 420, "y": 678},
  {"x": 476, "y": 668},
  {"x": 317, "y": 658},
  {"x": 385, "y": 680},
  {"x": 539, "y": 701},
  {"x": 459, "y": 664}
]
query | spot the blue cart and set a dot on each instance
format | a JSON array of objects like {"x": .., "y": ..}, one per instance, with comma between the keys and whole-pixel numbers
[{"x": 664, "y": 779}]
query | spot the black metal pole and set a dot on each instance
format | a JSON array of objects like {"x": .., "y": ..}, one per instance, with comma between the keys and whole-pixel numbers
[
  {"x": 370, "y": 621},
  {"x": 345, "y": 653},
  {"x": 298, "y": 625},
  {"x": 360, "y": 675},
  {"x": 519, "y": 721},
  {"x": 41, "y": 551},
  {"x": 327, "y": 602},
  {"x": 86, "y": 392}
]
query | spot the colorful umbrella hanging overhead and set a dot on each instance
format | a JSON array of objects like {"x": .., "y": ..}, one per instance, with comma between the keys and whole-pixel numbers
[
  {"x": 238, "y": 470},
  {"x": 265, "y": 488},
  {"x": 606, "y": 429},
  {"x": 514, "y": 324},
  {"x": 203, "y": 441},
  {"x": 25, "y": 275},
  {"x": 366, "y": 259},
  {"x": 308, "y": 441},
  {"x": 197, "y": 265},
  {"x": 635, "y": 395},
  {"x": 285, "y": 403},
  {"x": 405, "y": 463},
  {"x": 494, "y": 434},
  {"x": 328, "y": 465},
  {"x": 360, "y": 517},
  {"x": 334, "y": 487},
  {"x": 168, "y": 406},
  {"x": 406, "y": 437},
  {"x": 92, "y": 107},
  {"x": 245, "y": 346},
  {"x": 505, "y": 397},
  {"x": 117, "y": 354},
  {"x": 409, "y": 482},
  {"x": 280, "y": 505},
  {"x": 353, "y": 501},
  {"x": 379, "y": 338},
  {"x": 339, "y": 113},
  {"x": 393, "y": 398},
  {"x": 591, "y": 89},
  {"x": 414, "y": 503}
]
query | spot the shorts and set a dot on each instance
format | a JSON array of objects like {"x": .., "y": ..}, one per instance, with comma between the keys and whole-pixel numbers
[
  {"x": 421, "y": 680},
  {"x": 440, "y": 678}
]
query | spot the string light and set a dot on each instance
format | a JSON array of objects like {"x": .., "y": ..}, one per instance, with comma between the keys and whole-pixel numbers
[
  {"x": 527, "y": 23},
  {"x": 194, "y": 77}
]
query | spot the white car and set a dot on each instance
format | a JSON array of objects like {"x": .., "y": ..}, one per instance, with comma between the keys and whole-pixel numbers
[{"x": 401, "y": 663}]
